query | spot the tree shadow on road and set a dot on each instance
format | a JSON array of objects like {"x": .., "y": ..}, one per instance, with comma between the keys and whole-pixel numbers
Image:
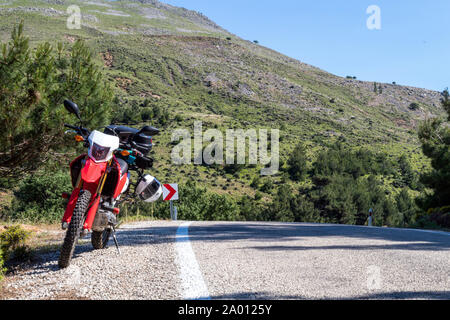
[
  {"x": 421, "y": 295},
  {"x": 403, "y": 239}
]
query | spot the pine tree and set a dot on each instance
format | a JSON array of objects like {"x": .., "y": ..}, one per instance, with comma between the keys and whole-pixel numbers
[
  {"x": 298, "y": 163},
  {"x": 445, "y": 101},
  {"x": 406, "y": 208},
  {"x": 33, "y": 86},
  {"x": 434, "y": 135},
  {"x": 280, "y": 208}
]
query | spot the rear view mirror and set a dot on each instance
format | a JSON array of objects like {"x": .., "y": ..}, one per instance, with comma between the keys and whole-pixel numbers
[
  {"x": 149, "y": 131},
  {"x": 72, "y": 108}
]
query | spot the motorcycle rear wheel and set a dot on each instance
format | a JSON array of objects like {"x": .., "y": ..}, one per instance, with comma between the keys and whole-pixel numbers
[
  {"x": 99, "y": 239},
  {"x": 73, "y": 232}
]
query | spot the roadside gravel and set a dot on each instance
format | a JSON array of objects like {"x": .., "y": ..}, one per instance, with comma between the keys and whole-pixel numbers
[{"x": 143, "y": 270}]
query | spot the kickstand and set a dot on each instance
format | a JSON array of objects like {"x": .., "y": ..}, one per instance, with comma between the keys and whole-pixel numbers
[{"x": 115, "y": 239}]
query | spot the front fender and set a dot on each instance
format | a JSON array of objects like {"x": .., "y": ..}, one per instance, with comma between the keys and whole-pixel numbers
[
  {"x": 92, "y": 171},
  {"x": 91, "y": 213},
  {"x": 71, "y": 205}
]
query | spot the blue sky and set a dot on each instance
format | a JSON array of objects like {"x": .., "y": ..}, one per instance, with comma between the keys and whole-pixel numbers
[{"x": 411, "y": 48}]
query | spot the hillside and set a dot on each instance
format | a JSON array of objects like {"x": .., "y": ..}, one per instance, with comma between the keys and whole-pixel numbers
[{"x": 179, "y": 60}]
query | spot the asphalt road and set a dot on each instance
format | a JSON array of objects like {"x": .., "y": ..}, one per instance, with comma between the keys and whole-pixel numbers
[
  {"x": 314, "y": 261},
  {"x": 223, "y": 260}
]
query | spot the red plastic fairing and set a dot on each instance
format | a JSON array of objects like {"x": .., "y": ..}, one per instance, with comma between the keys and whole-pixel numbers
[
  {"x": 121, "y": 180},
  {"x": 71, "y": 205},
  {"x": 91, "y": 213},
  {"x": 92, "y": 171}
]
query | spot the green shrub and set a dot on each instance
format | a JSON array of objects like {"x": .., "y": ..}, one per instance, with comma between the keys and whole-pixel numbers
[
  {"x": 267, "y": 186},
  {"x": 424, "y": 222},
  {"x": 440, "y": 216},
  {"x": 255, "y": 182},
  {"x": 38, "y": 198},
  {"x": 2, "y": 262},
  {"x": 195, "y": 203},
  {"x": 12, "y": 241},
  {"x": 414, "y": 106},
  {"x": 178, "y": 118}
]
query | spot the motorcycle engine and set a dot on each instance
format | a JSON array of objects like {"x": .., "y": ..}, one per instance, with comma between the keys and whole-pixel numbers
[{"x": 103, "y": 218}]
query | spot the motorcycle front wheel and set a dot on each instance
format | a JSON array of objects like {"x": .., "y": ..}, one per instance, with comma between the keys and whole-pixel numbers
[
  {"x": 73, "y": 232},
  {"x": 99, "y": 239}
]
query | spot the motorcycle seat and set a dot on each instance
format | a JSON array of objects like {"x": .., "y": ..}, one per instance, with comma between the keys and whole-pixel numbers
[{"x": 123, "y": 132}]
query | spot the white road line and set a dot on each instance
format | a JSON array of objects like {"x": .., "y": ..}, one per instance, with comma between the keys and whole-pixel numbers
[{"x": 192, "y": 284}]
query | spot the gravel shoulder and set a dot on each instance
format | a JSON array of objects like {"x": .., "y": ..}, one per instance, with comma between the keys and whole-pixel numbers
[{"x": 144, "y": 270}]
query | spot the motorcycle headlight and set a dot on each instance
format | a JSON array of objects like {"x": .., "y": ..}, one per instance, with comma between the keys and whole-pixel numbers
[{"x": 98, "y": 152}]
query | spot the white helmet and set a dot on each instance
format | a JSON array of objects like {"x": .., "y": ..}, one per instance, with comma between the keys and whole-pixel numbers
[{"x": 149, "y": 188}]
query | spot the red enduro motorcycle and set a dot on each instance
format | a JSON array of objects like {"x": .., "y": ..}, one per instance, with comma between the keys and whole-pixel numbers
[{"x": 101, "y": 181}]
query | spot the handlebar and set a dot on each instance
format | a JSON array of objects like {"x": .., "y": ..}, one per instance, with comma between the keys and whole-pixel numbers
[
  {"x": 133, "y": 152},
  {"x": 70, "y": 126},
  {"x": 80, "y": 130},
  {"x": 142, "y": 161}
]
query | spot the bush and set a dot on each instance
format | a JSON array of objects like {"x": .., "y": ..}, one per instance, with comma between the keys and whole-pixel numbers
[
  {"x": 441, "y": 216},
  {"x": 196, "y": 203},
  {"x": 2, "y": 262},
  {"x": 38, "y": 198},
  {"x": 413, "y": 106},
  {"x": 12, "y": 241},
  {"x": 267, "y": 186},
  {"x": 233, "y": 168},
  {"x": 339, "y": 160},
  {"x": 424, "y": 222},
  {"x": 249, "y": 208},
  {"x": 179, "y": 118}
]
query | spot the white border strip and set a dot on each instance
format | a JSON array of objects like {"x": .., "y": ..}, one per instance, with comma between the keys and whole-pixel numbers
[{"x": 193, "y": 286}]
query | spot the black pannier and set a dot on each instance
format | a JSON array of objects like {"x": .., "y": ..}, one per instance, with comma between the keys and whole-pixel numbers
[
  {"x": 140, "y": 141},
  {"x": 144, "y": 162},
  {"x": 143, "y": 143}
]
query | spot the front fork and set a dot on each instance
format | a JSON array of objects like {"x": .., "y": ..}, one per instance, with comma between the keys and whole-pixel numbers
[{"x": 96, "y": 199}]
